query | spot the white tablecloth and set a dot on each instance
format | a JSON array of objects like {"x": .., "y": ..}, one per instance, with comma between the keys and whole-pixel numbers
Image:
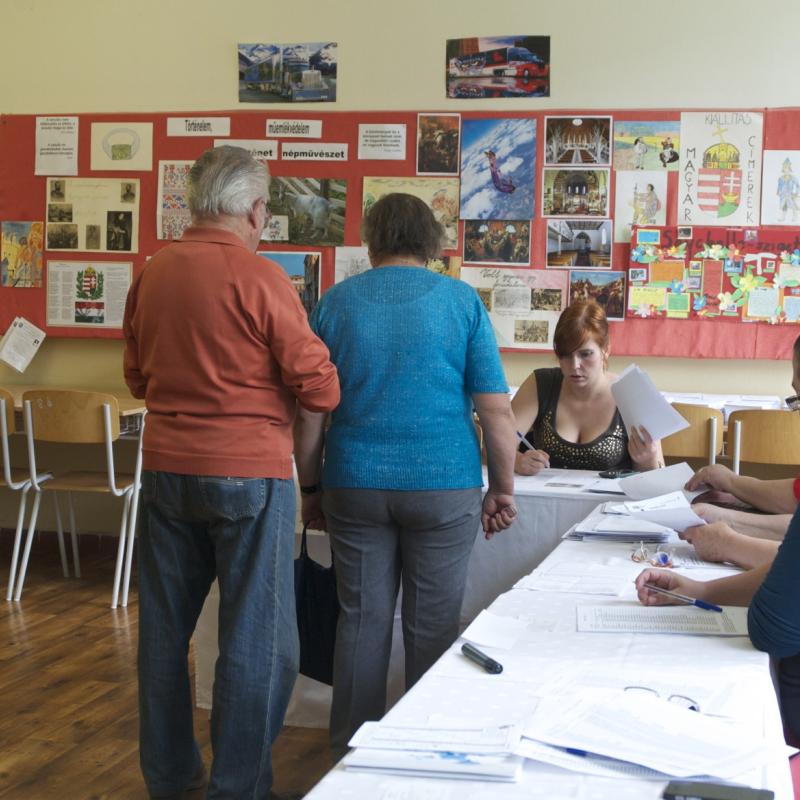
[
  {"x": 550, "y": 648},
  {"x": 545, "y": 513}
]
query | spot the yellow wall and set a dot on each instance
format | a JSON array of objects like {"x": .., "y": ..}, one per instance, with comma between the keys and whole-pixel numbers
[{"x": 160, "y": 55}]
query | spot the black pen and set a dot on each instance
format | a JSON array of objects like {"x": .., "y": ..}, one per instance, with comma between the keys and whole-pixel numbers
[{"x": 481, "y": 659}]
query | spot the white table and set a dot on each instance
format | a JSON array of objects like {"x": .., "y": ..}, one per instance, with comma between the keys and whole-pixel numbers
[
  {"x": 545, "y": 513},
  {"x": 712, "y": 670}
]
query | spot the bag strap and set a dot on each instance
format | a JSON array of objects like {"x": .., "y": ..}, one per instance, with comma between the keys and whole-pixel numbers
[{"x": 304, "y": 542}]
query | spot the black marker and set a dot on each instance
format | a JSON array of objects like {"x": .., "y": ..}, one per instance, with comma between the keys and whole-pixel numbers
[{"x": 481, "y": 659}]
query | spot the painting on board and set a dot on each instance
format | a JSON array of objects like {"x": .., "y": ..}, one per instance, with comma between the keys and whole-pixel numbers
[
  {"x": 498, "y": 157},
  {"x": 780, "y": 188},
  {"x": 577, "y": 140},
  {"x": 578, "y": 192},
  {"x": 287, "y": 73},
  {"x": 303, "y": 271},
  {"x": 605, "y": 288},
  {"x": 579, "y": 243},
  {"x": 497, "y": 242},
  {"x": 314, "y": 208},
  {"x": 438, "y": 143},
  {"x": 640, "y": 198},
  {"x": 646, "y": 145},
  {"x": 498, "y": 66},
  {"x": 719, "y": 180},
  {"x": 21, "y": 254},
  {"x": 440, "y": 194}
]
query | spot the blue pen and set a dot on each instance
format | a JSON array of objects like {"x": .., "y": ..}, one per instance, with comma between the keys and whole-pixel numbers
[
  {"x": 525, "y": 441},
  {"x": 686, "y": 599}
]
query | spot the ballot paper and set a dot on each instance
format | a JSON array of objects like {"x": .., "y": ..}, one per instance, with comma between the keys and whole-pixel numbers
[
  {"x": 491, "y": 630},
  {"x": 646, "y": 730},
  {"x": 424, "y": 763},
  {"x": 609, "y": 577},
  {"x": 588, "y": 763},
  {"x": 641, "y": 404},
  {"x": 672, "y": 510},
  {"x": 656, "y": 482},
  {"x": 685, "y": 619},
  {"x": 619, "y": 528},
  {"x": 498, "y": 739}
]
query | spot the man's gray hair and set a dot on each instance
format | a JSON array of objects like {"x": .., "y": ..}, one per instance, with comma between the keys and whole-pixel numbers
[{"x": 226, "y": 180}]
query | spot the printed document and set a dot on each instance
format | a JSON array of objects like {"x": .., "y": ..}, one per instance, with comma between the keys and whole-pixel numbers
[{"x": 686, "y": 619}]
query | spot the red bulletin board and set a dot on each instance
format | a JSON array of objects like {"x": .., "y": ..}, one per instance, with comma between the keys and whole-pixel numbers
[{"x": 23, "y": 197}]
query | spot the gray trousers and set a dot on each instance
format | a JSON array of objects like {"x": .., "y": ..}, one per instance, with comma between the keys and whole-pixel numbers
[{"x": 379, "y": 536}]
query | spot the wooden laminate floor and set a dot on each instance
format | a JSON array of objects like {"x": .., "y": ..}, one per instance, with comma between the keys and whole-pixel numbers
[{"x": 68, "y": 709}]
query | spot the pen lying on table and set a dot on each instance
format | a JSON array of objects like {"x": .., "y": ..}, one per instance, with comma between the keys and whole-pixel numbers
[{"x": 685, "y": 598}]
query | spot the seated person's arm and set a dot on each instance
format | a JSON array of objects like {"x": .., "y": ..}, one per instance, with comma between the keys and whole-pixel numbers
[
  {"x": 773, "y": 620},
  {"x": 645, "y": 451},
  {"x": 525, "y": 406},
  {"x": 735, "y": 590},
  {"x": 775, "y": 497},
  {"x": 762, "y": 526},
  {"x": 719, "y": 542}
]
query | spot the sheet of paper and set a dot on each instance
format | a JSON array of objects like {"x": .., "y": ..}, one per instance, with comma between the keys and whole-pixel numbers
[
  {"x": 20, "y": 343},
  {"x": 498, "y": 739},
  {"x": 581, "y": 578},
  {"x": 587, "y": 764},
  {"x": 641, "y": 404},
  {"x": 56, "y": 146},
  {"x": 490, "y": 630},
  {"x": 645, "y": 730},
  {"x": 654, "y": 482},
  {"x": 686, "y": 619}
]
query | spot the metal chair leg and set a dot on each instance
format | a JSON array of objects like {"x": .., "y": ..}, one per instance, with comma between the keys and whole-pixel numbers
[
  {"x": 76, "y": 559},
  {"x": 120, "y": 551},
  {"x": 60, "y": 533},
  {"x": 28, "y": 540},
  {"x": 23, "y": 502},
  {"x": 126, "y": 584}
]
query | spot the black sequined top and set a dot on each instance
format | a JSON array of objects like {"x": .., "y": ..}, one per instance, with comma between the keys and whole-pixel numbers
[{"x": 607, "y": 451}]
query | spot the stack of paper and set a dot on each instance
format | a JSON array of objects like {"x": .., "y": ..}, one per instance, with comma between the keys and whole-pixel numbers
[
  {"x": 642, "y": 405},
  {"x": 480, "y": 753},
  {"x": 672, "y": 510},
  {"x": 615, "y": 528}
]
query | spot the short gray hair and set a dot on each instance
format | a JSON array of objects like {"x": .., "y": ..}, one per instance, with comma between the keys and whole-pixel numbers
[{"x": 226, "y": 180}]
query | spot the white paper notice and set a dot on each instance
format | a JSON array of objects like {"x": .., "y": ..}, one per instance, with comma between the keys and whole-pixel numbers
[
  {"x": 382, "y": 142},
  {"x": 260, "y": 149},
  {"x": 295, "y": 128},
  {"x": 350, "y": 261},
  {"x": 314, "y": 151},
  {"x": 20, "y": 343},
  {"x": 198, "y": 126},
  {"x": 641, "y": 404},
  {"x": 56, "y": 146},
  {"x": 83, "y": 294},
  {"x": 624, "y": 618}
]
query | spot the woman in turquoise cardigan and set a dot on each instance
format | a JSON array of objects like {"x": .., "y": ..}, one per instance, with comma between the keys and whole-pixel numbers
[{"x": 401, "y": 481}]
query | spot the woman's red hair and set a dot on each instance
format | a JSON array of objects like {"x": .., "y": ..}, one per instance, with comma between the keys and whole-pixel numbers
[{"x": 583, "y": 320}]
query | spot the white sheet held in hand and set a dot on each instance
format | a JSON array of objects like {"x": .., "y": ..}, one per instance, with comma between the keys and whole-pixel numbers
[{"x": 641, "y": 404}]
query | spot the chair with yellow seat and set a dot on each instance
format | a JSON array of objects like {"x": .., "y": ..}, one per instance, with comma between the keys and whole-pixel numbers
[
  {"x": 18, "y": 480},
  {"x": 702, "y": 439},
  {"x": 73, "y": 417},
  {"x": 764, "y": 436}
]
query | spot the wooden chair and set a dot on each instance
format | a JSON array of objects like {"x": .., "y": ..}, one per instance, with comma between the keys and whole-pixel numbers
[
  {"x": 702, "y": 439},
  {"x": 71, "y": 417},
  {"x": 769, "y": 436},
  {"x": 18, "y": 480}
]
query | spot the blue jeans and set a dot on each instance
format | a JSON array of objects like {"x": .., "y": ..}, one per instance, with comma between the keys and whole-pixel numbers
[{"x": 241, "y": 531}]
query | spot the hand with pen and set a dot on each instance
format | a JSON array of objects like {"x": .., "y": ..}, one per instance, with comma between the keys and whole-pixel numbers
[
  {"x": 532, "y": 461},
  {"x": 669, "y": 581}
]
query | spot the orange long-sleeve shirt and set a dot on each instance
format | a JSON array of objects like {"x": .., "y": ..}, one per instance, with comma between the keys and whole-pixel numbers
[{"x": 218, "y": 344}]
